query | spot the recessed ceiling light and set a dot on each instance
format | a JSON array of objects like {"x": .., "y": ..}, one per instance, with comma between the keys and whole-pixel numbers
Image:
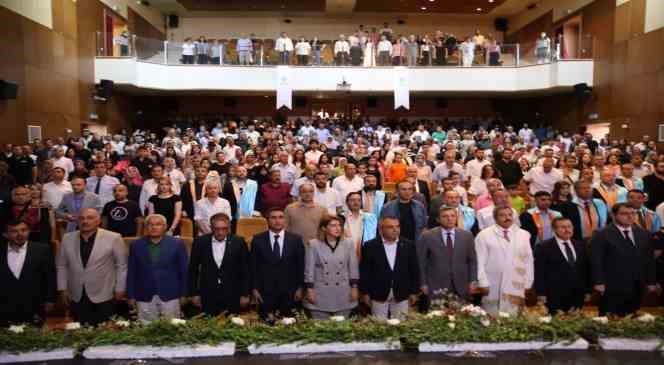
[
  {"x": 432, "y": 1},
  {"x": 491, "y": 1},
  {"x": 423, "y": 8},
  {"x": 479, "y": 9}
]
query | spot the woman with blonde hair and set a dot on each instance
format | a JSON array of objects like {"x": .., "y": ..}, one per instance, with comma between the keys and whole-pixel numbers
[
  {"x": 331, "y": 272},
  {"x": 168, "y": 204}
]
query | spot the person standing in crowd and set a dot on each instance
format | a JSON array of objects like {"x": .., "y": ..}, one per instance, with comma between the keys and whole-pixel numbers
[
  {"x": 468, "y": 52},
  {"x": 562, "y": 269},
  {"x": 302, "y": 51},
  {"x": 150, "y": 186},
  {"x": 188, "y": 50},
  {"x": 288, "y": 171},
  {"x": 167, "y": 204},
  {"x": 538, "y": 221},
  {"x": 645, "y": 218},
  {"x": 284, "y": 46},
  {"x": 193, "y": 191},
  {"x": 245, "y": 191},
  {"x": 389, "y": 272},
  {"x": 543, "y": 178},
  {"x": 384, "y": 51},
  {"x": 341, "y": 51},
  {"x": 307, "y": 178},
  {"x": 304, "y": 216},
  {"x": 27, "y": 277},
  {"x": 329, "y": 259},
  {"x": 73, "y": 203},
  {"x": 373, "y": 199},
  {"x": 587, "y": 214},
  {"x": 359, "y": 226},
  {"x": 202, "y": 51},
  {"x": 607, "y": 189},
  {"x": 92, "y": 270},
  {"x": 348, "y": 182},
  {"x": 508, "y": 169},
  {"x": 627, "y": 179},
  {"x": 325, "y": 196},
  {"x": 219, "y": 276},
  {"x": 653, "y": 186},
  {"x": 505, "y": 263},
  {"x": 60, "y": 160},
  {"x": 447, "y": 258},
  {"x": 157, "y": 272},
  {"x": 317, "y": 47},
  {"x": 475, "y": 166},
  {"x": 543, "y": 48},
  {"x": 210, "y": 205},
  {"x": 23, "y": 167},
  {"x": 275, "y": 194},
  {"x": 56, "y": 189},
  {"x": 623, "y": 263},
  {"x": 412, "y": 50},
  {"x": 493, "y": 50},
  {"x": 216, "y": 52},
  {"x": 277, "y": 268},
  {"x": 244, "y": 49},
  {"x": 122, "y": 215},
  {"x": 412, "y": 214},
  {"x": 398, "y": 53},
  {"x": 101, "y": 184}
]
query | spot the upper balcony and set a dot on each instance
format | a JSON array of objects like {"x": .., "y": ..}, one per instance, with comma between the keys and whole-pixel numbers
[{"x": 152, "y": 64}]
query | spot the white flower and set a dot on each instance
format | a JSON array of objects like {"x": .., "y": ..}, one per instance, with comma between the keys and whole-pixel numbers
[
  {"x": 17, "y": 329},
  {"x": 473, "y": 310},
  {"x": 178, "y": 321},
  {"x": 451, "y": 318},
  {"x": 288, "y": 321},
  {"x": 122, "y": 323},
  {"x": 546, "y": 319},
  {"x": 237, "y": 321},
  {"x": 337, "y": 318},
  {"x": 72, "y": 326},
  {"x": 485, "y": 322},
  {"x": 503, "y": 315},
  {"x": 435, "y": 314},
  {"x": 602, "y": 320},
  {"x": 646, "y": 318},
  {"x": 451, "y": 325},
  {"x": 393, "y": 322}
]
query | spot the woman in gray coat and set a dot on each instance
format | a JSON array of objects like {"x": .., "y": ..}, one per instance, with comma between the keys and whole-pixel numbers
[{"x": 331, "y": 272}]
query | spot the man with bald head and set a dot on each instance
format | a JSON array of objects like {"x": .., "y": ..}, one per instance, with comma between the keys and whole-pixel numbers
[
  {"x": 543, "y": 178},
  {"x": 91, "y": 269},
  {"x": 607, "y": 189}
]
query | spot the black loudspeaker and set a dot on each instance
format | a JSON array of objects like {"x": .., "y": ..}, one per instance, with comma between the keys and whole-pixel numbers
[
  {"x": 501, "y": 24},
  {"x": 582, "y": 90},
  {"x": 441, "y": 103},
  {"x": 230, "y": 102},
  {"x": 300, "y": 102},
  {"x": 8, "y": 90},
  {"x": 173, "y": 21},
  {"x": 372, "y": 102},
  {"x": 105, "y": 89}
]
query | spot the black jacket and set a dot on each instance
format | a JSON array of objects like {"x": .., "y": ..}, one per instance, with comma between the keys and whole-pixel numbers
[
  {"x": 23, "y": 298},
  {"x": 617, "y": 263},
  {"x": 376, "y": 277},
  {"x": 564, "y": 285},
  {"x": 273, "y": 276},
  {"x": 226, "y": 283}
]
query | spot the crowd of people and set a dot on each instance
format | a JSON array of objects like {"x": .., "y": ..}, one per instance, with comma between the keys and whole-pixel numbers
[
  {"x": 363, "y": 217},
  {"x": 375, "y": 47}
]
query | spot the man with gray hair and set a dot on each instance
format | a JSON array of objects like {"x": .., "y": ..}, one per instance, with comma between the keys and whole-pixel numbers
[
  {"x": 157, "y": 272},
  {"x": 303, "y": 216}
]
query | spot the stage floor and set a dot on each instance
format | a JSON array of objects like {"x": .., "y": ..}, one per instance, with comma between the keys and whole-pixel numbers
[{"x": 505, "y": 358}]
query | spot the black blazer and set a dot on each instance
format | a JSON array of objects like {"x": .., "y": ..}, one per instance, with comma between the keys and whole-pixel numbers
[
  {"x": 528, "y": 224},
  {"x": 617, "y": 263},
  {"x": 228, "y": 282},
  {"x": 35, "y": 286},
  {"x": 571, "y": 211},
  {"x": 376, "y": 277},
  {"x": 424, "y": 190},
  {"x": 273, "y": 276},
  {"x": 555, "y": 278}
]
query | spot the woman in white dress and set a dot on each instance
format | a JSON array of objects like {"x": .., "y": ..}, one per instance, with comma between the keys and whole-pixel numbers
[{"x": 369, "y": 59}]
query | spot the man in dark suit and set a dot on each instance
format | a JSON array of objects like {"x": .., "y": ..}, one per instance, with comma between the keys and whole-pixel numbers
[
  {"x": 562, "y": 271},
  {"x": 623, "y": 263},
  {"x": 389, "y": 272},
  {"x": 586, "y": 213},
  {"x": 538, "y": 221},
  {"x": 420, "y": 186},
  {"x": 219, "y": 270},
  {"x": 277, "y": 267},
  {"x": 447, "y": 258},
  {"x": 27, "y": 277}
]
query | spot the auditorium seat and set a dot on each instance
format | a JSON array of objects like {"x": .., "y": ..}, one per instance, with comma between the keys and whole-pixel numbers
[{"x": 247, "y": 227}]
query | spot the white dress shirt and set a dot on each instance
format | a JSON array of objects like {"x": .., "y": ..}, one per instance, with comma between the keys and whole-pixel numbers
[
  {"x": 206, "y": 209},
  {"x": 65, "y": 163},
  {"x": 541, "y": 180},
  {"x": 344, "y": 186},
  {"x": 341, "y": 47},
  {"x": 328, "y": 199},
  {"x": 390, "y": 252},
  {"x": 52, "y": 193},
  {"x": 218, "y": 250},
  {"x": 474, "y": 168},
  {"x": 16, "y": 258},
  {"x": 106, "y": 187},
  {"x": 280, "y": 241},
  {"x": 561, "y": 246},
  {"x": 149, "y": 189}
]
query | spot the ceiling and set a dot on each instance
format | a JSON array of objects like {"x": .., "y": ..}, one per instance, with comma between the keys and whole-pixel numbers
[
  {"x": 381, "y": 6},
  {"x": 427, "y": 6},
  {"x": 254, "y": 5}
]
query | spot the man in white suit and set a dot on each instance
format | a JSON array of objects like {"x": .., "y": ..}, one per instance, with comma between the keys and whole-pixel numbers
[
  {"x": 505, "y": 266},
  {"x": 92, "y": 270}
]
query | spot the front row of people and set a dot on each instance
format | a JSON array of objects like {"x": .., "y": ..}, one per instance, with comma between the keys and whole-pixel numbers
[{"x": 93, "y": 268}]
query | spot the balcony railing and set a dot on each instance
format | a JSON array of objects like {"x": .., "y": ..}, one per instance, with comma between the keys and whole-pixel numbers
[{"x": 224, "y": 53}]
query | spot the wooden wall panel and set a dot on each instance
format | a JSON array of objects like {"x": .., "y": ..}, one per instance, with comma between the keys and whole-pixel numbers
[
  {"x": 623, "y": 18},
  {"x": 638, "y": 17}
]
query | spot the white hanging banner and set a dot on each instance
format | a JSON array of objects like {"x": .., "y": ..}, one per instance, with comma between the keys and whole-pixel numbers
[
  {"x": 401, "y": 88},
  {"x": 284, "y": 87}
]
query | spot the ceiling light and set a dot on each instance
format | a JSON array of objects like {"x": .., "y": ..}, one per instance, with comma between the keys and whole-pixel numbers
[
  {"x": 479, "y": 9},
  {"x": 423, "y": 8},
  {"x": 490, "y": 1},
  {"x": 432, "y": 1}
]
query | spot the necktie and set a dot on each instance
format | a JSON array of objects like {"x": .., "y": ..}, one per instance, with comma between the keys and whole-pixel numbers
[
  {"x": 506, "y": 235},
  {"x": 275, "y": 247},
  {"x": 590, "y": 216},
  {"x": 642, "y": 219},
  {"x": 569, "y": 253},
  {"x": 450, "y": 247},
  {"x": 627, "y": 237},
  {"x": 98, "y": 187}
]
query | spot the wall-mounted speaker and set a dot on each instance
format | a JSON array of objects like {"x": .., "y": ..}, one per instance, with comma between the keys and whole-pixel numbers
[
  {"x": 8, "y": 90},
  {"x": 173, "y": 21}
]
